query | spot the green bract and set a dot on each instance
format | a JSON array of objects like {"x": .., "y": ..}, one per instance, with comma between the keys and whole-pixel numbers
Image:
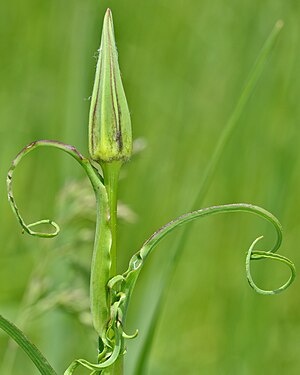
[{"x": 109, "y": 123}]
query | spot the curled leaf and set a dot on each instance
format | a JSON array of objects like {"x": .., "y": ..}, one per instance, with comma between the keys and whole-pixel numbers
[
  {"x": 109, "y": 358},
  {"x": 124, "y": 284},
  {"x": 259, "y": 255},
  {"x": 93, "y": 176}
]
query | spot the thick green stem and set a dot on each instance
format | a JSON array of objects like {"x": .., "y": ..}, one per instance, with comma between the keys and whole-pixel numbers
[
  {"x": 105, "y": 254},
  {"x": 101, "y": 263},
  {"x": 111, "y": 173},
  {"x": 111, "y": 177},
  {"x": 116, "y": 369}
]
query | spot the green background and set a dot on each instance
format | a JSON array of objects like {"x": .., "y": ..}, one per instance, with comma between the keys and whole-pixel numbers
[{"x": 183, "y": 64}]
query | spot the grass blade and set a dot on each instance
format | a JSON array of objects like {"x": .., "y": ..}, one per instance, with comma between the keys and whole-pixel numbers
[
  {"x": 31, "y": 350},
  {"x": 231, "y": 125}
]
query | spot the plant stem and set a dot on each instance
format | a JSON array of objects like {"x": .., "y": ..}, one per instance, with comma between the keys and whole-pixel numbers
[
  {"x": 100, "y": 263},
  {"x": 116, "y": 368},
  {"x": 111, "y": 177},
  {"x": 111, "y": 173}
]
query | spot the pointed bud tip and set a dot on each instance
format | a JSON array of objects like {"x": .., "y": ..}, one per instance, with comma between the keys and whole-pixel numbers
[
  {"x": 110, "y": 135},
  {"x": 108, "y": 18}
]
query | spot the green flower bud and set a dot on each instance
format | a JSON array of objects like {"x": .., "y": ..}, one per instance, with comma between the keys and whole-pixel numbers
[{"x": 110, "y": 135}]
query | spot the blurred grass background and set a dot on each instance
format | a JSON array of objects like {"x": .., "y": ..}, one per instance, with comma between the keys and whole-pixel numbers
[{"x": 183, "y": 68}]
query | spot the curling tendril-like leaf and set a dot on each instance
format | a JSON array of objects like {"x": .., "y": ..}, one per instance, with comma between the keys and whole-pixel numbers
[
  {"x": 94, "y": 177},
  {"x": 112, "y": 357},
  {"x": 259, "y": 255},
  {"x": 137, "y": 261},
  {"x": 121, "y": 286}
]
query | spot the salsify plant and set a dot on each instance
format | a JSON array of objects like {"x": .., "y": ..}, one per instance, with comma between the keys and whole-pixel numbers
[{"x": 110, "y": 146}]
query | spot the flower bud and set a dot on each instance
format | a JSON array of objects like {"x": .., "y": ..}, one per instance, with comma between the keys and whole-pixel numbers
[{"x": 110, "y": 135}]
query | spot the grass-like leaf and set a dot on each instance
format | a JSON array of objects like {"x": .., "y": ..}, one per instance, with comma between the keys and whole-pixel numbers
[{"x": 30, "y": 349}]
